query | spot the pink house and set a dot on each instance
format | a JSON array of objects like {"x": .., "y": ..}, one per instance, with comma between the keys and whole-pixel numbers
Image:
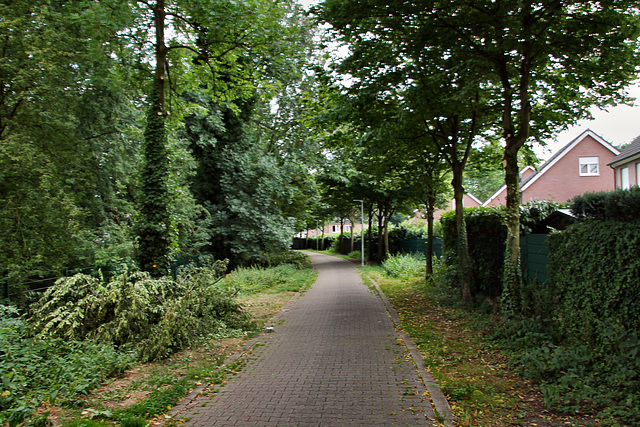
[
  {"x": 626, "y": 166},
  {"x": 579, "y": 167}
]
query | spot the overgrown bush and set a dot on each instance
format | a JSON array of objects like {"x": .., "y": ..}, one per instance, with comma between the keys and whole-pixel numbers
[
  {"x": 156, "y": 317},
  {"x": 57, "y": 370},
  {"x": 405, "y": 266},
  {"x": 584, "y": 348}
]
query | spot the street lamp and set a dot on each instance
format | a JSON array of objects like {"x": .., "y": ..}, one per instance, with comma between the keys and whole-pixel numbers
[{"x": 361, "y": 228}]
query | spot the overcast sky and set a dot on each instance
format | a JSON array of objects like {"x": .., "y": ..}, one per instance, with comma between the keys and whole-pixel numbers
[{"x": 618, "y": 125}]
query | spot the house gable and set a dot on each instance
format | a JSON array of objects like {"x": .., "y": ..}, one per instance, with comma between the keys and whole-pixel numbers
[{"x": 568, "y": 172}]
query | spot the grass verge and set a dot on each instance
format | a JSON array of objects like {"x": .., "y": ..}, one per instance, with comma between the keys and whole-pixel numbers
[{"x": 476, "y": 377}]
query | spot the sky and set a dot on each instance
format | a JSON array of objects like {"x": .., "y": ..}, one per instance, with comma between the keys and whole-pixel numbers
[{"x": 618, "y": 125}]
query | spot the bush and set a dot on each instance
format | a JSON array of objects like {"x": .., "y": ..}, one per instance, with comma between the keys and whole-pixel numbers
[
  {"x": 618, "y": 205},
  {"x": 251, "y": 280},
  {"x": 594, "y": 268},
  {"x": 299, "y": 260},
  {"x": 35, "y": 370},
  {"x": 405, "y": 266},
  {"x": 155, "y": 316},
  {"x": 486, "y": 236}
]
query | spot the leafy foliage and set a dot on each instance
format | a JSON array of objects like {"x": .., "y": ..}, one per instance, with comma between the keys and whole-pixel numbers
[
  {"x": 405, "y": 266},
  {"x": 34, "y": 370},
  {"x": 582, "y": 344},
  {"x": 153, "y": 225},
  {"x": 486, "y": 233},
  {"x": 154, "y": 317},
  {"x": 250, "y": 280},
  {"x": 618, "y": 205},
  {"x": 595, "y": 270}
]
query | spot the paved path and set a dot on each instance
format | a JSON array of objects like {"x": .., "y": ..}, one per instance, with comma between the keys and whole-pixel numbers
[{"x": 334, "y": 359}]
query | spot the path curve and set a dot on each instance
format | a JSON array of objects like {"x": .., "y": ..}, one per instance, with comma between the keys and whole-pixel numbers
[{"x": 333, "y": 359}]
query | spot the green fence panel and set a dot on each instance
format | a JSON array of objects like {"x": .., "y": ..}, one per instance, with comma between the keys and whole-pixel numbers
[
  {"x": 417, "y": 245},
  {"x": 535, "y": 256}
]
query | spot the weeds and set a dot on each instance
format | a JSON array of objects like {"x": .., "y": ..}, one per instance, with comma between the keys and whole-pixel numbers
[{"x": 405, "y": 266}]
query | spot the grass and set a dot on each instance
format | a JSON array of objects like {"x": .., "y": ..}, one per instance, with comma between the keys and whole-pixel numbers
[{"x": 476, "y": 377}]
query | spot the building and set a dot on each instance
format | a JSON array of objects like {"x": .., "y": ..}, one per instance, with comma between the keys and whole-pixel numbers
[
  {"x": 579, "y": 167},
  {"x": 626, "y": 166}
]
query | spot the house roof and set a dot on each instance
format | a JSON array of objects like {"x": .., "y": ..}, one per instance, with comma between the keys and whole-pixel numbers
[
  {"x": 633, "y": 150},
  {"x": 528, "y": 181}
]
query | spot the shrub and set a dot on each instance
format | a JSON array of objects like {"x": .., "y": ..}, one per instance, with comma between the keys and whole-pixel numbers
[
  {"x": 486, "y": 236},
  {"x": 35, "y": 370},
  {"x": 155, "y": 316},
  {"x": 594, "y": 268},
  {"x": 250, "y": 280},
  {"x": 299, "y": 260},
  {"x": 619, "y": 205},
  {"x": 405, "y": 266}
]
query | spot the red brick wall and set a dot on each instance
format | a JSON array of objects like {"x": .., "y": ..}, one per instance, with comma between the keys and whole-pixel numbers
[{"x": 562, "y": 180}]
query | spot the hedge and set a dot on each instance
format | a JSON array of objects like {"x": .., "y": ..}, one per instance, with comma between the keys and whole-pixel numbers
[{"x": 595, "y": 272}]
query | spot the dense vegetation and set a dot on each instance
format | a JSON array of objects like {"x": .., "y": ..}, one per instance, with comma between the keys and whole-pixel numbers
[{"x": 85, "y": 330}]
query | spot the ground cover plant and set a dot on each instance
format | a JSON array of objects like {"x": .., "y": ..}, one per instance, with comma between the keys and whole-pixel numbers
[{"x": 71, "y": 373}]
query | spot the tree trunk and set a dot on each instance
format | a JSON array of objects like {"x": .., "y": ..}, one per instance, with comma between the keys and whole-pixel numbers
[
  {"x": 380, "y": 235},
  {"x": 464, "y": 265},
  {"x": 370, "y": 233},
  {"x": 431, "y": 201},
  {"x": 511, "y": 275}
]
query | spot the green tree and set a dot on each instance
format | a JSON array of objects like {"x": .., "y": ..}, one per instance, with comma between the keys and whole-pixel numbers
[
  {"x": 61, "y": 123},
  {"x": 550, "y": 62}
]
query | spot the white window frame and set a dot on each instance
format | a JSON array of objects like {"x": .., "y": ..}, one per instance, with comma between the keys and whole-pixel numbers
[
  {"x": 638, "y": 174},
  {"x": 335, "y": 228},
  {"x": 589, "y": 166},
  {"x": 347, "y": 228},
  {"x": 624, "y": 178}
]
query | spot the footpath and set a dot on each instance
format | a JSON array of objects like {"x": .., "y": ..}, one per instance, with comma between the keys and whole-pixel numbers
[{"x": 333, "y": 358}]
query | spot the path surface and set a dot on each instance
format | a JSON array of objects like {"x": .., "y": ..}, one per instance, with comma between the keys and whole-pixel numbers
[{"x": 333, "y": 359}]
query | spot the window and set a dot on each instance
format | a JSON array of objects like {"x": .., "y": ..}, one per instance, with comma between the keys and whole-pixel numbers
[
  {"x": 624, "y": 178},
  {"x": 638, "y": 174},
  {"x": 347, "y": 228},
  {"x": 335, "y": 228},
  {"x": 589, "y": 166}
]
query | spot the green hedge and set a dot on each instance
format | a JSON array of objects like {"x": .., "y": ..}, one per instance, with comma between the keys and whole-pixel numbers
[
  {"x": 486, "y": 236},
  {"x": 595, "y": 270},
  {"x": 619, "y": 205}
]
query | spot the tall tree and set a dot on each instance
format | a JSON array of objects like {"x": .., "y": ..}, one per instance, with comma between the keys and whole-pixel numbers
[
  {"x": 551, "y": 62},
  {"x": 445, "y": 101}
]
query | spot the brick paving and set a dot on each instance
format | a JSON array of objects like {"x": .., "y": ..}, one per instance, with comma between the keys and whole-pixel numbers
[{"x": 334, "y": 358}]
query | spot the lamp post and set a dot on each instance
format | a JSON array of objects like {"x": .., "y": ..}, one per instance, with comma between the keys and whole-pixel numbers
[{"x": 361, "y": 229}]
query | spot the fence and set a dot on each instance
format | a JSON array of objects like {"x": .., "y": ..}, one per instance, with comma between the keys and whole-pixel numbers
[
  {"x": 403, "y": 246},
  {"x": 534, "y": 257}
]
